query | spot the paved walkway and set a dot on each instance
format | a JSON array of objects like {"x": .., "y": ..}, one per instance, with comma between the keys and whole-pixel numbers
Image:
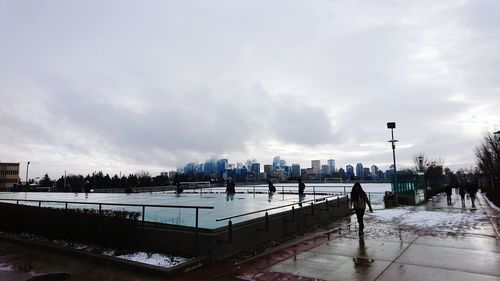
[{"x": 430, "y": 242}]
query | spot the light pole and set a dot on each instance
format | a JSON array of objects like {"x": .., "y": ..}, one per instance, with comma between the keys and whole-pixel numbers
[
  {"x": 27, "y": 168},
  {"x": 392, "y": 126}
]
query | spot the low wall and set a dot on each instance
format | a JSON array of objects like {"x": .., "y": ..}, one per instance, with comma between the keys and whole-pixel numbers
[{"x": 225, "y": 241}]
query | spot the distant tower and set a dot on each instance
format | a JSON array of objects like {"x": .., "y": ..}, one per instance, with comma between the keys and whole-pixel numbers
[
  {"x": 331, "y": 166},
  {"x": 359, "y": 171},
  {"x": 296, "y": 170},
  {"x": 316, "y": 166}
]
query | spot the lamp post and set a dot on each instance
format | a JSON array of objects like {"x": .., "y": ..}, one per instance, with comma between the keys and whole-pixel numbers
[
  {"x": 27, "y": 168},
  {"x": 392, "y": 126}
]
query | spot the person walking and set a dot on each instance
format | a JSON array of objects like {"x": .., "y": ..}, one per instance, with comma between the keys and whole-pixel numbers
[
  {"x": 302, "y": 186},
  {"x": 272, "y": 188},
  {"x": 461, "y": 191},
  {"x": 359, "y": 200},
  {"x": 471, "y": 190},
  {"x": 449, "y": 191},
  {"x": 230, "y": 189}
]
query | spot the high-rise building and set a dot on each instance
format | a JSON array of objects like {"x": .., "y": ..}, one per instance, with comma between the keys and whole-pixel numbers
[
  {"x": 316, "y": 165},
  {"x": 366, "y": 173},
  {"x": 359, "y": 171},
  {"x": 349, "y": 172},
  {"x": 374, "y": 171},
  {"x": 331, "y": 167},
  {"x": 255, "y": 168},
  {"x": 278, "y": 163},
  {"x": 324, "y": 169},
  {"x": 9, "y": 175},
  {"x": 296, "y": 170},
  {"x": 268, "y": 169}
]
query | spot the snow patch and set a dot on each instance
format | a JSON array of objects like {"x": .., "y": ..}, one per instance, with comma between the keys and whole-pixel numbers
[
  {"x": 427, "y": 218},
  {"x": 6, "y": 267},
  {"x": 154, "y": 259}
]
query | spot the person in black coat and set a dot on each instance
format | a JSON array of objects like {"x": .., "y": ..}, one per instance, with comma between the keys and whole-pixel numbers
[
  {"x": 302, "y": 186},
  {"x": 461, "y": 191},
  {"x": 359, "y": 200},
  {"x": 471, "y": 189},
  {"x": 448, "y": 194},
  {"x": 272, "y": 188}
]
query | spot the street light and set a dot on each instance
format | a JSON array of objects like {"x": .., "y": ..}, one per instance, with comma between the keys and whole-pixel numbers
[
  {"x": 392, "y": 126},
  {"x": 27, "y": 168}
]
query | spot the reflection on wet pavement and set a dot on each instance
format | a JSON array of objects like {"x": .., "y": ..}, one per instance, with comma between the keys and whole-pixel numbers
[{"x": 19, "y": 263}]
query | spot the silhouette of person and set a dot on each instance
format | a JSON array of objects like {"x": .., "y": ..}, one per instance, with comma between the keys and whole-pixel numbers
[
  {"x": 448, "y": 194},
  {"x": 302, "y": 186},
  {"x": 179, "y": 189},
  {"x": 461, "y": 191},
  {"x": 471, "y": 189},
  {"x": 359, "y": 200},
  {"x": 230, "y": 189},
  {"x": 272, "y": 188}
]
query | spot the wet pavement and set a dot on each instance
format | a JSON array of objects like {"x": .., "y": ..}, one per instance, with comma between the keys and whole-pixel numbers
[
  {"x": 21, "y": 262},
  {"x": 429, "y": 242},
  {"x": 440, "y": 242}
]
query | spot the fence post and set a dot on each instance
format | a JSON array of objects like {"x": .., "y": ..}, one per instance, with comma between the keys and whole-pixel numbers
[
  {"x": 196, "y": 233},
  {"x": 314, "y": 192},
  {"x": 230, "y": 231},
  {"x": 39, "y": 204},
  {"x": 338, "y": 201},
  {"x": 100, "y": 208},
  {"x": 143, "y": 213},
  {"x": 267, "y": 221},
  {"x": 66, "y": 206},
  {"x": 344, "y": 189}
]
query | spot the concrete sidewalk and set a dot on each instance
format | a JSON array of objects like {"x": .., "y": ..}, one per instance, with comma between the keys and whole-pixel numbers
[{"x": 465, "y": 247}]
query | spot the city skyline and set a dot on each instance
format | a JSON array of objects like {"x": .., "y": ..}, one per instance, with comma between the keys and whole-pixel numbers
[{"x": 84, "y": 88}]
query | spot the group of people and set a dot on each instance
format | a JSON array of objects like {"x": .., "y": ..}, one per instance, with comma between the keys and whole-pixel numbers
[
  {"x": 471, "y": 190},
  {"x": 359, "y": 199}
]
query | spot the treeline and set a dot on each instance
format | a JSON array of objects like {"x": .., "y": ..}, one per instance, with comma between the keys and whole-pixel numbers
[{"x": 100, "y": 180}]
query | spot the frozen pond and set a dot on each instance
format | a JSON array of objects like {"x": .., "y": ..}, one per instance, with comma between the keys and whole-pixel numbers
[{"x": 244, "y": 201}]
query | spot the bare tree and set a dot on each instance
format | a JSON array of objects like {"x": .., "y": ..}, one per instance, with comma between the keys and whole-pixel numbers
[{"x": 488, "y": 161}]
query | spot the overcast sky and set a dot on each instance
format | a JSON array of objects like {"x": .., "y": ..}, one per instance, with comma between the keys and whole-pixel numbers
[{"x": 151, "y": 85}]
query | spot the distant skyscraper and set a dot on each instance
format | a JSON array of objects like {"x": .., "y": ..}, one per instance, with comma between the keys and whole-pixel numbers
[
  {"x": 316, "y": 165},
  {"x": 255, "y": 168},
  {"x": 268, "y": 169},
  {"x": 359, "y": 171},
  {"x": 374, "y": 171},
  {"x": 331, "y": 166},
  {"x": 296, "y": 170},
  {"x": 349, "y": 171},
  {"x": 278, "y": 163},
  {"x": 324, "y": 169}
]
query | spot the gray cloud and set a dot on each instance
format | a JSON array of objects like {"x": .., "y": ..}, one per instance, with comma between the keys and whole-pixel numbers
[{"x": 121, "y": 86}]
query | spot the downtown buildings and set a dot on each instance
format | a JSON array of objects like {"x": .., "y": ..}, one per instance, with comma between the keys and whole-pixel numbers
[{"x": 279, "y": 171}]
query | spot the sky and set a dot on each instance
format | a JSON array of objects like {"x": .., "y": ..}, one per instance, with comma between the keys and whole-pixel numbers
[{"x": 127, "y": 86}]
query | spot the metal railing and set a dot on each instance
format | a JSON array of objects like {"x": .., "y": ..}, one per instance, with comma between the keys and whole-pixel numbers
[
  {"x": 100, "y": 204},
  {"x": 266, "y": 216}
]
